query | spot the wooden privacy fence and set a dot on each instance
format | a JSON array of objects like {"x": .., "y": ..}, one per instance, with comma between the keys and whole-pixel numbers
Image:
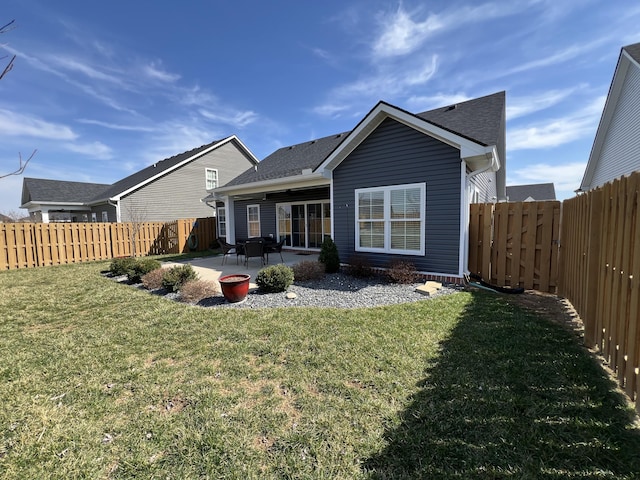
[
  {"x": 516, "y": 244},
  {"x": 600, "y": 273},
  {"x": 24, "y": 245}
]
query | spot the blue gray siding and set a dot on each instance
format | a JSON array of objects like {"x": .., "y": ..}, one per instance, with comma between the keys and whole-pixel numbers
[{"x": 395, "y": 154}]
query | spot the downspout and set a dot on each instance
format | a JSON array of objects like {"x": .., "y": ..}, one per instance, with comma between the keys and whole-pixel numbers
[
  {"x": 494, "y": 165},
  {"x": 117, "y": 207}
]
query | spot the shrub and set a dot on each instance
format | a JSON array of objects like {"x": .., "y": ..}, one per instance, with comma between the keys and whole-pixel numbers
[
  {"x": 275, "y": 278},
  {"x": 360, "y": 267},
  {"x": 329, "y": 256},
  {"x": 153, "y": 279},
  {"x": 308, "y": 270},
  {"x": 400, "y": 271},
  {"x": 175, "y": 277},
  {"x": 141, "y": 267},
  {"x": 195, "y": 290},
  {"x": 122, "y": 266}
]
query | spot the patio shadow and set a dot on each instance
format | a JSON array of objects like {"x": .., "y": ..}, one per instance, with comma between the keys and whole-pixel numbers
[{"x": 511, "y": 395}]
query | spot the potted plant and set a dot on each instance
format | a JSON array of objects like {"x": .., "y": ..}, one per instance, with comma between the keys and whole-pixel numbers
[{"x": 235, "y": 287}]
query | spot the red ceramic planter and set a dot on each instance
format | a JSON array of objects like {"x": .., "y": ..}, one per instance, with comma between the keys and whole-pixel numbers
[{"x": 235, "y": 287}]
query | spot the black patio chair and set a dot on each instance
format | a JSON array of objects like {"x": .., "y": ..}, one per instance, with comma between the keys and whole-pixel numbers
[
  {"x": 227, "y": 249},
  {"x": 253, "y": 248},
  {"x": 276, "y": 248}
]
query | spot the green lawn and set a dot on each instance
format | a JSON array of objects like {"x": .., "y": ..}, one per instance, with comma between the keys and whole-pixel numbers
[{"x": 100, "y": 380}]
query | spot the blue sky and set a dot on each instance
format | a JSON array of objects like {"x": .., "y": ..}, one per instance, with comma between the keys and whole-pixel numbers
[{"x": 102, "y": 89}]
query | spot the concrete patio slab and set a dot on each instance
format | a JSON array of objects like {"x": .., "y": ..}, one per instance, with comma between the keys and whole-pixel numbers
[{"x": 211, "y": 268}]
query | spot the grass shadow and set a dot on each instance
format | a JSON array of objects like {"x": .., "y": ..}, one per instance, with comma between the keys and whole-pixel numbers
[{"x": 511, "y": 395}]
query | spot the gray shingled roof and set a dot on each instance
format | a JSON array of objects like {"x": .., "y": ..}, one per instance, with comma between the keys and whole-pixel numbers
[
  {"x": 291, "y": 160},
  {"x": 478, "y": 120},
  {"x": 634, "y": 51},
  {"x": 537, "y": 191},
  {"x": 44, "y": 190},
  {"x": 149, "y": 172}
]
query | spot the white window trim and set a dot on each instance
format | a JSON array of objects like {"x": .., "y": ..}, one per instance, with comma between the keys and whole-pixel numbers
[
  {"x": 206, "y": 178},
  {"x": 259, "y": 221},
  {"x": 224, "y": 211},
  {"x": 387, "y": 219},
  {"x": 104, "y": 216}
]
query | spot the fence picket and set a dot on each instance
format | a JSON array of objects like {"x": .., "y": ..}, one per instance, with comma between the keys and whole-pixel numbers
[{"x": 24, "y": 245}]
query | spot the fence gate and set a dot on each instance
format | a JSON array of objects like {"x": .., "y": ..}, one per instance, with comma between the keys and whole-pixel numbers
[{"x": 516, "y": 244}]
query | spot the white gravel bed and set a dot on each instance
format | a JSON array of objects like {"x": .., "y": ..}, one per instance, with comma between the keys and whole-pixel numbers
[{"x": 334, "y": 290}]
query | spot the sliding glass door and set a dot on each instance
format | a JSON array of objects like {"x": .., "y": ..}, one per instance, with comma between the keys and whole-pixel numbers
[{"x": 304, "y": 225}]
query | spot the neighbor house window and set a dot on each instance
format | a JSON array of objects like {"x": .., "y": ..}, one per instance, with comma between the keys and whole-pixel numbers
[
  {"x": 222, "y": 221},
  {"x": 211, "y": 178},
  {"x": 105, "y": 217},
  {"x": 94, "y": 217},
  {"x": 391, "y": 219},
  {"x": 253, "y": 220}
]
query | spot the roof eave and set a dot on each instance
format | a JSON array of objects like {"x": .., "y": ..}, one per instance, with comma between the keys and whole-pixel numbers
[
  {"x": 615, "y": 89},
  {"x": 307, "y": 180},
  {"x": 222, "y": 142},
  {"x": 470, "y": 151}
]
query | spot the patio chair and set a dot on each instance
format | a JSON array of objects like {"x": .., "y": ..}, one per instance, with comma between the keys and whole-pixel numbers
[
  {"x": 253, "y": 248},
  {"x": 276, "y": 248},
  {"x": 227, "y": 249}
]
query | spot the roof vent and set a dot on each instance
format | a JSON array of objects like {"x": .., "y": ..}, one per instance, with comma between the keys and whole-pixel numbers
[
  {"x": 452, "y": 107},
  {"x": 338, "y": 135},
  {"x": 292, "y": 147}
]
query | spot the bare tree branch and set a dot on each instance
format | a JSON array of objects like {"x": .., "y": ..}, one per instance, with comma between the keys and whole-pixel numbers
[
  {"x": 23, "y": 165},
  {"x": 8, "y": 68}
]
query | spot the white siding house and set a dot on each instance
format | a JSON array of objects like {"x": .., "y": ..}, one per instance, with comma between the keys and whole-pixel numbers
[{"x": 616, "y": 148}]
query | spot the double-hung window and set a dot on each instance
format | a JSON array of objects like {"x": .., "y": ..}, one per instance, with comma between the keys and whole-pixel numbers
[
  {"x": 211, "y": 178},
  {"x": 391, "y": 219},
  {"x": 253, "y": 220}
]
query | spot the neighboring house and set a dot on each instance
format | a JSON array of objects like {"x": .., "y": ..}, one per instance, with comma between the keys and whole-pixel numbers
[
  {"x": 398, "y": 186},
  {"x": 534, "y": 192},
  {"x": 165, "y": 191},
  {"x": 58, "y": 200},
  {"x": 616, "y": 148}
]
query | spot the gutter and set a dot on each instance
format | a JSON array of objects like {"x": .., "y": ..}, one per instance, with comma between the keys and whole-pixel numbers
[
  {"x": 117, "y": 207},
  {"x": 315, "y": 179}
]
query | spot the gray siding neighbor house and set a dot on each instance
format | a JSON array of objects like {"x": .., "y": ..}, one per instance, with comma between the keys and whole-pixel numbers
[
  {"x": 167, "y": 190},
  {"x": 616, "y": 148},
  {"x": 398, "y": 186}
]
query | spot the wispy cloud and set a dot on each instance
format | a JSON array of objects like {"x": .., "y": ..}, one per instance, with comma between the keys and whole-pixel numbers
[
  {"x": 16, "y": 124},
  {"x": 77, "y": 66},
  {"x": 385, "y": 84},
  {"x": 404, "y": 32},
  {"x": 561, "y": 56},
  {"x": 96, "y": 150},
  {"x": 233, "y": 118},
  {"x": 558, "y": 131},
  {"x": 424, "y": 102},
  {"x": 114, "y": 126},
  {"x": 155, "y": 71},
  {"x": 521, "y": 106}
]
